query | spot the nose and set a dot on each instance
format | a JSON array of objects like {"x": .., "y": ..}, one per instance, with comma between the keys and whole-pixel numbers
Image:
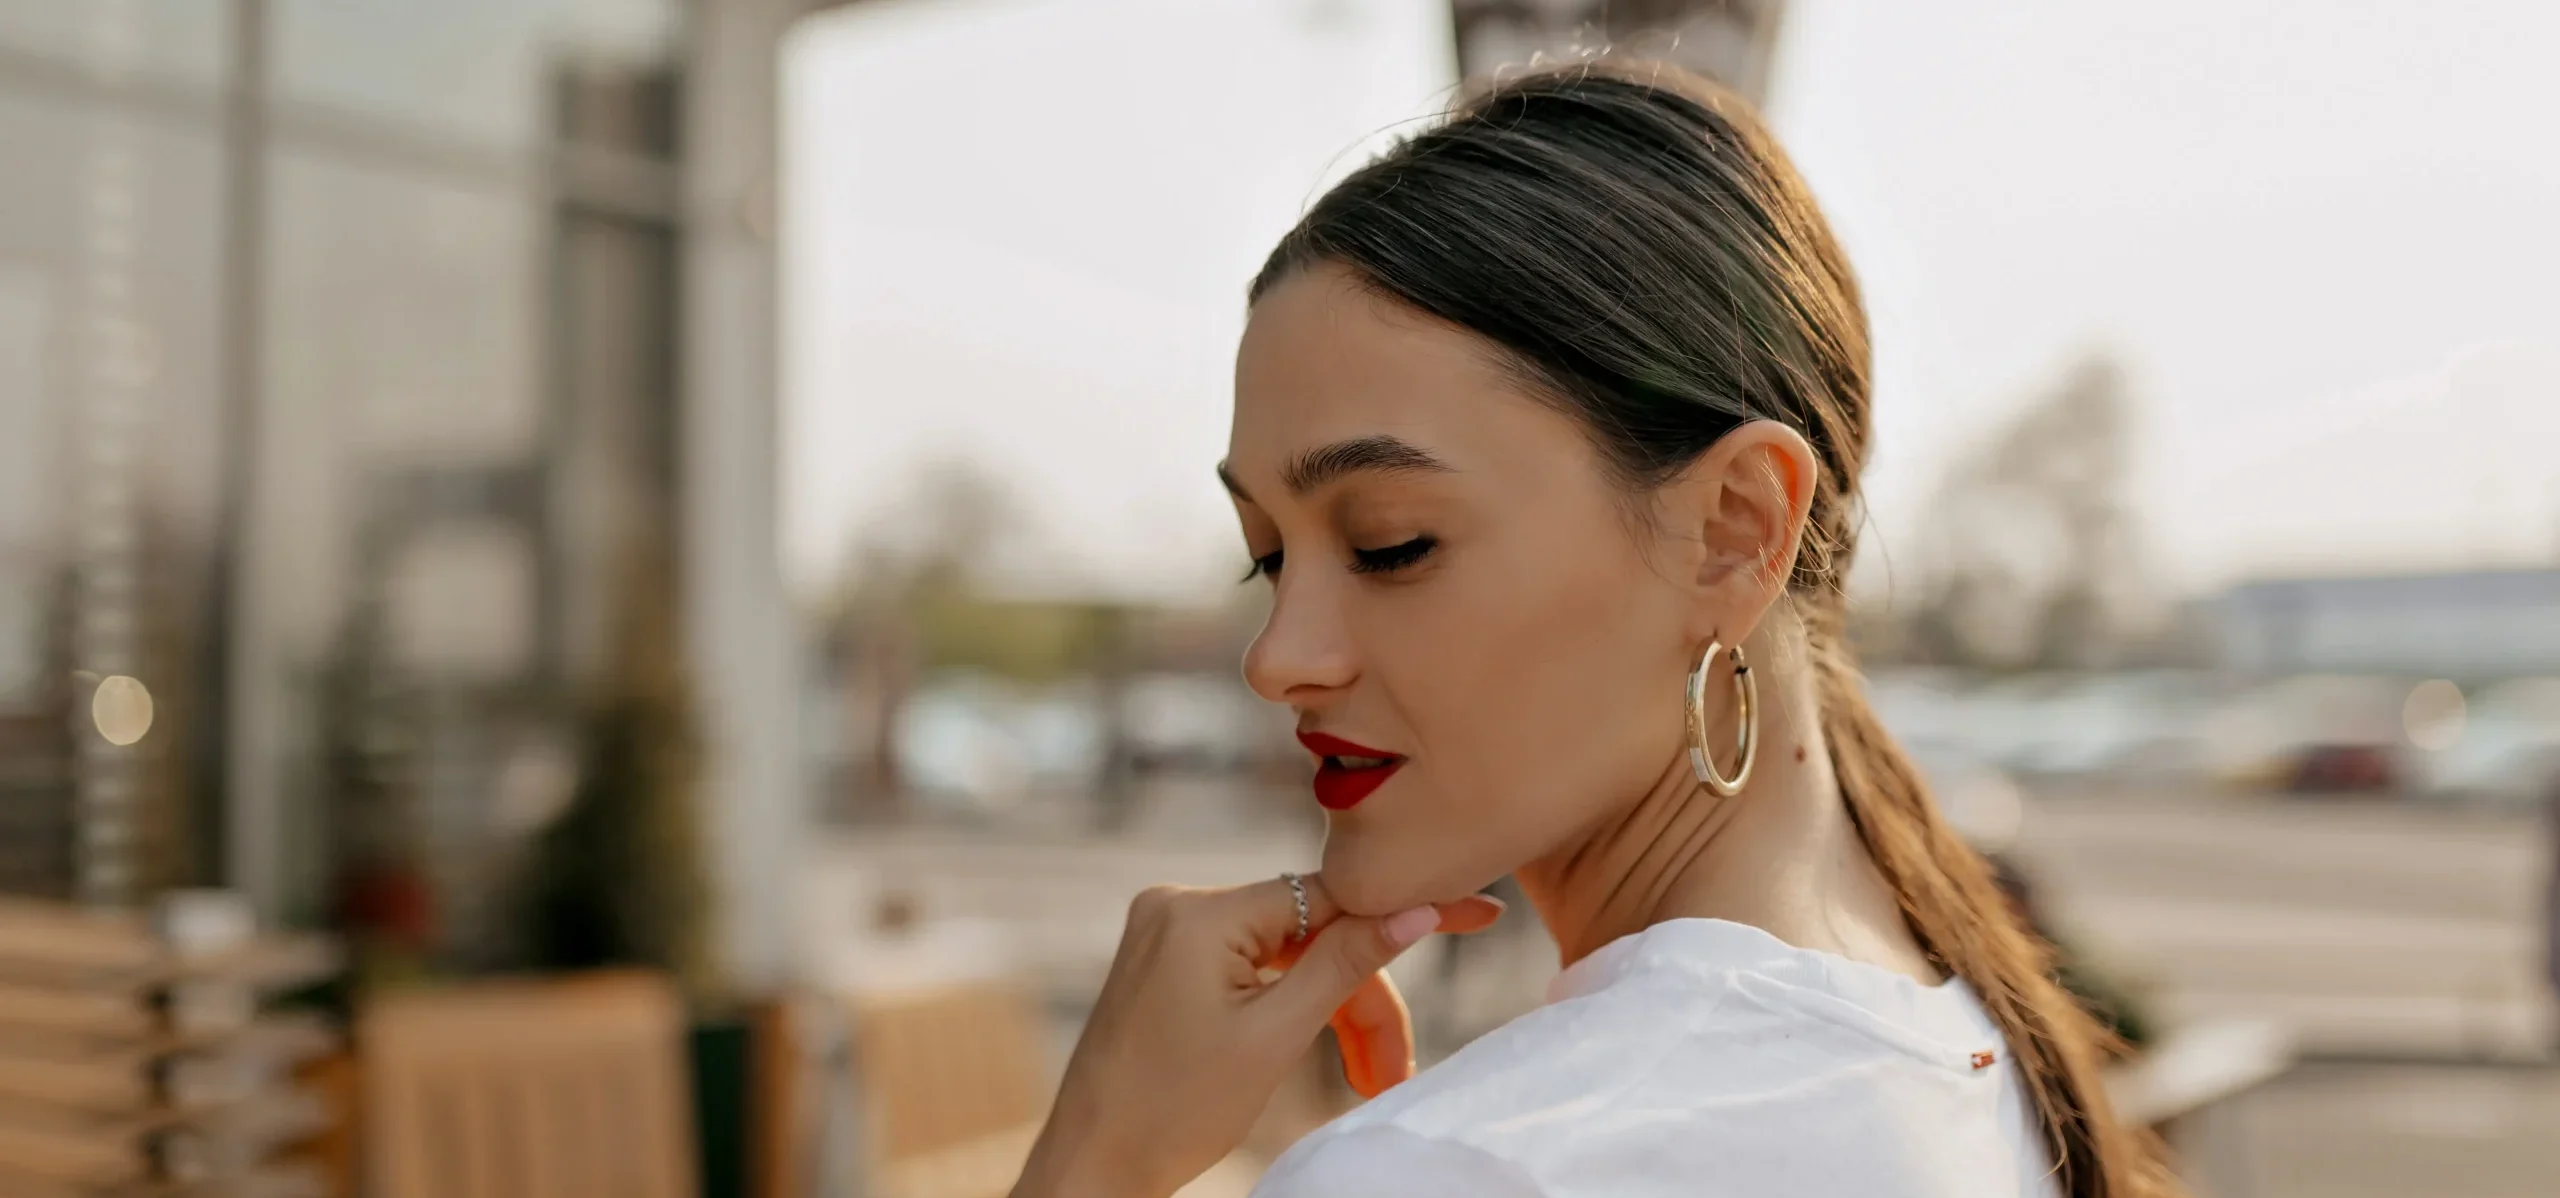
[{"x": 1303, "y": 650}]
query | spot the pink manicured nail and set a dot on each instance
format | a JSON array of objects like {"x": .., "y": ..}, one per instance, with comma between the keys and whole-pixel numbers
[{"x": 1405, "y": 927}]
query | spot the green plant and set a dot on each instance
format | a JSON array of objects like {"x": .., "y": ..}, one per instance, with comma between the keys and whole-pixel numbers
[{"x": 620, "y": 878}]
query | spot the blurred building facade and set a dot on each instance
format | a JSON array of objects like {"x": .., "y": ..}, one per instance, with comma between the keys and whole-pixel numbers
[
  {"x": 1731, "y": 41},
  {"x": 357, "y": 359},
  {"x": 2480, "y": 625}
]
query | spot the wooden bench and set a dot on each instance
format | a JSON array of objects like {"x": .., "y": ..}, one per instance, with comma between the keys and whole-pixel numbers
[
  {"x": 2189, "y": 1086},
  {"x": 577, "y": 1086},
  {"x": 2197, "y": 1066}
]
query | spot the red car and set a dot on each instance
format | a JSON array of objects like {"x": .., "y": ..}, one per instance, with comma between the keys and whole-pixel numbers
[{"x": 2344, "y": 768}]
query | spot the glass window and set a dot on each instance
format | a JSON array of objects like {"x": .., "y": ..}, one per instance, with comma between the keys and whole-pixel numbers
[
  {"x": 179, "y": 40},
  {"x": 479, "y": 70},
  {"x": 403, "y": 336},
  {"x": 109, "y": 235},
  {"x": 402, "y": 345}
]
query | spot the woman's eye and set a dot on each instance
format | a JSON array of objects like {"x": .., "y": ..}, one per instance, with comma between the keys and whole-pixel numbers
[
  {"x": 1265, "y": 566},
  {"x": 1393, "y": 557}
]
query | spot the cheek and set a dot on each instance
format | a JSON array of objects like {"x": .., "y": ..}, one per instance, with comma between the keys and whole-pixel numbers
[
  {"x": 1538, "y": 697},
  {"x": 1572, "y": 697}
]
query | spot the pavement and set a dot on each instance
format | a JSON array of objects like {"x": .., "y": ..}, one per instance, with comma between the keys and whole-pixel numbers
[{"x": 2401, "y": 1130}]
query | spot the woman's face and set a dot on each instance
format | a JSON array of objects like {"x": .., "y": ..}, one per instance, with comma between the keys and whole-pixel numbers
[{"x": 1455, "y": 587}]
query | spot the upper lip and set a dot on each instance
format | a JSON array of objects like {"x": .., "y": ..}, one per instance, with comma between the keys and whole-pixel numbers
[{"x": 1324, "y": 745}]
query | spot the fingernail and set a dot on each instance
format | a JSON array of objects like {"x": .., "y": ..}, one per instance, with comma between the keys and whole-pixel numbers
[{"x": 1405, "y": 927}]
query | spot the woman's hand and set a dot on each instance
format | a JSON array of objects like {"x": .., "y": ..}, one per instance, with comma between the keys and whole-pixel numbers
[{"x": 1187, "y": 1041}]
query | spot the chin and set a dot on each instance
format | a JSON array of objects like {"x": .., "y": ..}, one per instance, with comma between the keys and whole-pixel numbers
[{"x": 1370, "y": 877}]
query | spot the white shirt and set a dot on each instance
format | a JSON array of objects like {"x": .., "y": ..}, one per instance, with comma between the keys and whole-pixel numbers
[{"x": 1700, "y": 1057}]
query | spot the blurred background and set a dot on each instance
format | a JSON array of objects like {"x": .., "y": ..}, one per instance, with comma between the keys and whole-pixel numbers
[{"x": 656, "y": 561}]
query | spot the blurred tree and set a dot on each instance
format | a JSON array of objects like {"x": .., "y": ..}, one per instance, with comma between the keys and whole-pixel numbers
[
  {"x": 916, "y": 596},
  {"x": 909, "y": 564},
  {"x": 2034, "y": 559}
]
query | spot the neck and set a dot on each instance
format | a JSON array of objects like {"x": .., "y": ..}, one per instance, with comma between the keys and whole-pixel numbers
[{"x": 1781, "y": 855}]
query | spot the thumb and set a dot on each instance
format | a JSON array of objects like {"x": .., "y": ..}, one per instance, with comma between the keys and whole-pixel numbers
[{"x": 1344, "y": 955}]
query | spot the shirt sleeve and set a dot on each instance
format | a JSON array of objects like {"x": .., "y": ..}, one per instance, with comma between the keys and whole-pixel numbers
[{"x": 1391, "y": 1162}]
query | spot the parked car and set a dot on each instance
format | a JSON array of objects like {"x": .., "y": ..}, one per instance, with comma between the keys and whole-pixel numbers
[
  {"x": 2507, "y": 751},
  {"x": 2343, "y": 769},
  {"x": 1201, "y": 723},
  {"x": 976, "y": 745},
  {"x": 2310, "y": 733}
]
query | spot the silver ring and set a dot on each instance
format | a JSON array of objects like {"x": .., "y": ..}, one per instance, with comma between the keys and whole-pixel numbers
[{"x": 1297, "y": 890}]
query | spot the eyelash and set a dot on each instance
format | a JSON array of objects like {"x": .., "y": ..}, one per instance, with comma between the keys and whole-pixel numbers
[
  {"x": 1363, "y": 561},
  {"x": 1393, "y": 557}
]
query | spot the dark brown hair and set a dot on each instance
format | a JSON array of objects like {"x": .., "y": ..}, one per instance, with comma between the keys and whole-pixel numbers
[{"x": 1648, "y": 258}]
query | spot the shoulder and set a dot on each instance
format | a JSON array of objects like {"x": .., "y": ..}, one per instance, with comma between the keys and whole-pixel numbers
[
  {"x": 1380, "y": 1159},
  {"x": 1665, "y": 1084},
  {"x": 1466, "y": 1119}
]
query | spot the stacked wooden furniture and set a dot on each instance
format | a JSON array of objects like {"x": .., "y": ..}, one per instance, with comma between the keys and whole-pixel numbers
[{"x": 136, "y": 1056}]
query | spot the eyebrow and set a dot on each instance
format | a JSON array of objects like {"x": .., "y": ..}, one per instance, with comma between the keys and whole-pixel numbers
[{"x": 1327, "y": 463}]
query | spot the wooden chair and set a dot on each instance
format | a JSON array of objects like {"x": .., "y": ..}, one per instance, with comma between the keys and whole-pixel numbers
[
  {"x": 791, "y": 1074},
  {"x": 954, "y": 1081},
  {"x": 527, "y": 1089},
  {"x": 332, "y": 1156}
]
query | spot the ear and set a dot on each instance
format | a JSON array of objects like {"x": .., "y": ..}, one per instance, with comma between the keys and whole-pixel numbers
[{"x": 1741, "y": 510}]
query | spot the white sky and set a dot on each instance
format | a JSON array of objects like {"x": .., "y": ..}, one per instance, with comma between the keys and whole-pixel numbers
[{"x": 2321, "y": 234}]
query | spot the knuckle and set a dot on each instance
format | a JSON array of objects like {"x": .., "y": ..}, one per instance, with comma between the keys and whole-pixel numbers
[{"x": 1155, "y": 906}]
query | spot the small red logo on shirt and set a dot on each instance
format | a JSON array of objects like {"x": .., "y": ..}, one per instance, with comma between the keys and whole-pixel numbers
[{"x": 1982, "y": 1060}]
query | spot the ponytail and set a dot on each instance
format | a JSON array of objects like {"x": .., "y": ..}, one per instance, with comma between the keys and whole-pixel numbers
[{"x": 1966, "y": 925}]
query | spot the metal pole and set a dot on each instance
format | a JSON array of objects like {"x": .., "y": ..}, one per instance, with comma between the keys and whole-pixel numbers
[{"x": 216, "y": 775}]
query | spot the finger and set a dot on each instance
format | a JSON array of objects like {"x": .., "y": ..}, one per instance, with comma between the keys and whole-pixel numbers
[
  {"x": 1375, "y": 1025},
  {"x": 1342, "y": 957},
  {"x": 1474, "y": 913},
  {"x": 1264, "y": 917}
]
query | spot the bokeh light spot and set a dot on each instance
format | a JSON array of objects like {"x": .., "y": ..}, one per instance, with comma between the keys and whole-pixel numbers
[{"x": 121, "y": 708}]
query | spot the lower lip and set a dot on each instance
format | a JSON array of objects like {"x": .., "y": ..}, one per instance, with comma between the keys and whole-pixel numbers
[{"x": 1340, "y": 789}]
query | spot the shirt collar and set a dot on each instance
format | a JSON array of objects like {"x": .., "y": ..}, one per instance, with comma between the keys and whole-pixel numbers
[
  {"x": 1951, "y": 1013},
  {"x": 1711, "y": 944}
]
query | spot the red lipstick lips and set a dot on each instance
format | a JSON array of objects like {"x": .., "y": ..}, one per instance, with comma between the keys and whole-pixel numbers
[{"x": 1340, "y": 786}]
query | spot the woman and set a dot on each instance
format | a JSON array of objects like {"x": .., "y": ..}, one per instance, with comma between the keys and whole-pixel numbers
[{"x": 1548, "y": 426}]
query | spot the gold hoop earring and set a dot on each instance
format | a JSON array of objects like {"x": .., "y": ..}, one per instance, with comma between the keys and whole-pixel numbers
[{"x": 1746, "y": 697}]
